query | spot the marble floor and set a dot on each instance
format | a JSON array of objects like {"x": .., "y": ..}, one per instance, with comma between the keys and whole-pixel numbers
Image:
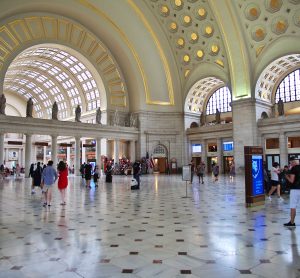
[{"x": 154, "y": 232}]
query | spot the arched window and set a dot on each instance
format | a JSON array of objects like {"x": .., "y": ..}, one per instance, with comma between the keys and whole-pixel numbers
[
  {"x": 289, "y": 88},
  {"x": 220, "y": 99}
]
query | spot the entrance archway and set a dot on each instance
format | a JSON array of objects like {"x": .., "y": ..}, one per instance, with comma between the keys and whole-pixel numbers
[{"x": 160, "y": 156}]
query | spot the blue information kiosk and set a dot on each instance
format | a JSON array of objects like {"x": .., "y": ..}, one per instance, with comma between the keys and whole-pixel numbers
[{"x": 254, "y": 176}]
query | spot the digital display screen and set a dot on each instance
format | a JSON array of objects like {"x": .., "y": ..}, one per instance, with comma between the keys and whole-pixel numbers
[
  {"x": 228, "y": 146},
  {"x": 196, "y": 148},
  {"x": 257, "y": 175}
]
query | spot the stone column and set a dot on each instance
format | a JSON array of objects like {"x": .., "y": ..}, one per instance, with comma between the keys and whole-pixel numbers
[
  {"x": 283, "y": 146},
  {"x": 116, "y": 151},
  {"x": 1, "y": 148},
  {"x": 220, "y": 154},
  {"x": 98, "y": 154},
  {"x": 132, "y": 151},
  {"x": 33, "y": 153},
  {"x": 204, "y": 153},
  {"x": 69, "y": 156},
  {"x": 54, "y": 150},
  {"x": 28, "y": 148},
  {"x": 83, "y": 158},
  {"x": 77, "y": 161},
  {"x": 245, "y": 131},
  {"x": 45, "y": 155}
]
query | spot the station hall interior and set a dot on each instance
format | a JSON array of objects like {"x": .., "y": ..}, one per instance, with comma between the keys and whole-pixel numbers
[{"x": 165, "y": 82}]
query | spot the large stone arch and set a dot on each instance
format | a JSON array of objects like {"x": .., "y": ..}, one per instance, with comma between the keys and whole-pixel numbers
[
  {"x": 26, "y": 30},
  {"x": 272, "y": 74}
]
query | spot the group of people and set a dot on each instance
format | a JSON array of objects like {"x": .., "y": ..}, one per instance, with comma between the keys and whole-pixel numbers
[
  {"x": 87, "y": 172},
  {"x": 15, "y": 171},
  {"x": 287, "y": 175},
  {"x": 200, "y": 171},
  {"x": 45, "y": 178}
]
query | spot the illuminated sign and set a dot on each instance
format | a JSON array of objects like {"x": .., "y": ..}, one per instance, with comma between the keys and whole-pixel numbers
[
  {"x": 197, "y": 148},
  {"x": 257, "y": 175}
]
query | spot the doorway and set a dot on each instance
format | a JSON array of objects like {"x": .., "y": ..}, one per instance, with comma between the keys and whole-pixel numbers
[
  {"x": 227, "y": 162},
  {"x": 271, "y": 158},
  {"x": 160, "y": 164},
  {"x": 210, "y": 161}
]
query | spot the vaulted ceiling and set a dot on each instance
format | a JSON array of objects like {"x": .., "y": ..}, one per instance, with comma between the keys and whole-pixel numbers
[{"x": 155, "y": 55}]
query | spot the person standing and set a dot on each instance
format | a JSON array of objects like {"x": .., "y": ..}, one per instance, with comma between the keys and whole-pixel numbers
[
  {"x": 62, "y": 181},
  {"x": 49, "y": 177},
  {"x": 294, "y": 179},
  {"x": 96, "y": 175},
  {"x": 88, "y": 174},
  {"x": 31, "y": 175},
  {"x": 275, "y": 185},
  {"x": 216, "y": 171},
  {"x": 232, "y": 170},
  {"x": 201, "y": 171},
  {"x": 136, "y": 173},
  {"x": 108, "y": 172},
  {"x": 37, "y": 177},
  {"x": 192, "y": 165}
]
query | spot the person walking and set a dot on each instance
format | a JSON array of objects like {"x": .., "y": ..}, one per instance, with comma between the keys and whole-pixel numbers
[
  {"x": 294, "y": 179},
  {"x": 37, "y": 177},
  {"x": 275, "y": 185},
  {"x": 88, "y": 174},
  {"x": 232, "y": 170},
  {"x": 192, "y": 165},
  {"x": 96, "y": 175},
  {"x": 216, "y": 171},
  {"x": 49, "y": 177},
  {"x": 62, "y": 181},
  {"x": 201, "y": 171},
  {"x": 136, "y": 174},
  {"x": 30, "y": 175}
]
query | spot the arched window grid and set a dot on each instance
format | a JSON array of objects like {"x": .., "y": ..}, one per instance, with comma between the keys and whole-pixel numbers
[
  {"x": 60, "y": 60},
  {"x": 220, "y": 100},
  {"x": 289, "y": 88}
]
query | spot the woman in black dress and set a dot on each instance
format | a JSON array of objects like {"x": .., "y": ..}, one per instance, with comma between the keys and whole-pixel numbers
[
  {"x": 108, "y": 173},
  {"x": 37, "y": 176},
  {"x": 88, "y": 174}
]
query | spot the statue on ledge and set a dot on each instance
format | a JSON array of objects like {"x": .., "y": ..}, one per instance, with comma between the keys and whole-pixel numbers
[
  {"x": 218, "y": 116},
  {"x": 2, "y": 104},
  {"x": 202, "y": 119},
  {"x": 29, "y": 108},
  {"x": 98, "y": 116},
  {"x": 116, "y": 118},
  {"x": 280, "y": 107},
  {"x": 54, "y": 111},
  {"x": 77, "y": 113}
]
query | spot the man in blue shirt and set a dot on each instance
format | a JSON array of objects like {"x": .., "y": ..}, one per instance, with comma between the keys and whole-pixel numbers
[{"x": 49, "y": 177}]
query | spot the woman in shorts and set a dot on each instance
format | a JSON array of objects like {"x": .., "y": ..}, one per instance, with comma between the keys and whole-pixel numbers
[{"x": 275, "y": 185}]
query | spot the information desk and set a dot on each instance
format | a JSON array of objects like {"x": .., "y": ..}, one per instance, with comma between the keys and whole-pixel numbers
[{"x": 254, "y": 176}]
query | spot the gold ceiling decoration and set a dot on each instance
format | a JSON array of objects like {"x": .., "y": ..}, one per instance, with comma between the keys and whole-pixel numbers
[
  {"x": 164, "y": 10},
  {"x": 190, "y": 24},
  {"x": 273, "y": 6},
  {"x": 279, "y": 25},
  {"x": 252, "y": 12},
  {"x": 173, "y": 27},
  {"x": 180, "y": 42},
  {"x": 266, "y": 20},
  {"x": 199, "y": 54},
  {"x": 194, "y": 37}
]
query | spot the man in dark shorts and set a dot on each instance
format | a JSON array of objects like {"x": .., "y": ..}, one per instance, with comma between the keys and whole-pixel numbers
[{"x": 294, "y": 178}]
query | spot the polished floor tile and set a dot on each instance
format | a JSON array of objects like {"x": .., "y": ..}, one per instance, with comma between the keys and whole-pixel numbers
[{"x": 157, "y": 231}]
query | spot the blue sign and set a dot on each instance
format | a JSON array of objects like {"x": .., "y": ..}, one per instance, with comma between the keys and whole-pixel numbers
[{"x": 257, "y": 175}]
